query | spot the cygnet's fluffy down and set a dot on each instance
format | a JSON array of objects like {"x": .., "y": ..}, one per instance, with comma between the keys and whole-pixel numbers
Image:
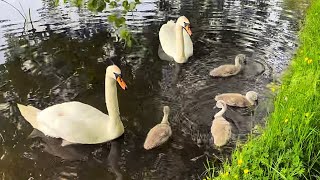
[
  {"x": 229, "y": 69},
  {"x": 221, "y": 128},
  {"x": 160, "y": 133},
  {"x": 238, "y": 100}
]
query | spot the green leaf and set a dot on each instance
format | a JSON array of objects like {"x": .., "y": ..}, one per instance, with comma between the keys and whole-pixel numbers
[
  {"x": 132, "y": 6},
  {"x": 101, "y": 5},
  {"x": 92, "y": 4},
  {"x": 113, "y": 4},
  {"x": 65, "y": 1},
  {"x": 120, "y": 21},
  {"x": 56, "y": 2},
  {"x": 125, "y": 4},
  {"x": 129, "y": 42},
  {"x": 96, "y": 5},
  {"x": 77, "y": 3},
  {"x": 137, "y": 1},
  {"x": 112, "y": 18},
  {"x": 123, "y": 33},
  {"x": 107, "y": 1}
]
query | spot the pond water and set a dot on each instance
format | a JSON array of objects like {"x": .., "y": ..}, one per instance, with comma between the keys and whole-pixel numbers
[{"x": 63, "y": 54}]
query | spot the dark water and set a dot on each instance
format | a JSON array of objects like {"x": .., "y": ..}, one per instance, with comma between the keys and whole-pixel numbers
[{"x": 63, "y": 57}]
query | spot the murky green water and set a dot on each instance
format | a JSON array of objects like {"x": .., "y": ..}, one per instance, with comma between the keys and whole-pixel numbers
[{"x": 64, "y": 57}]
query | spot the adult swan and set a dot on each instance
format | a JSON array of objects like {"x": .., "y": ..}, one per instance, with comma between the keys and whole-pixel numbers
[
  {"x": 176, "y": 42},
  {"x": 76, "y": 122}
]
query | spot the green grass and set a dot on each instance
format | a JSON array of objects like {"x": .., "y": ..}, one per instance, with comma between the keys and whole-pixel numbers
[{"x": 289, "y": 146}]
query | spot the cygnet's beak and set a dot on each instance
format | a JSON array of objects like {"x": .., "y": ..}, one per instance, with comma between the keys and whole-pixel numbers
[
  {"x": 122, "y": 84},
  {"x": 257, "y": 102},
  {"x": 188, "y": 29}
]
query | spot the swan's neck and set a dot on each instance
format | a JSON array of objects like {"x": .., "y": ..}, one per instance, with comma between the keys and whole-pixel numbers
[
  {"x": 112, "y": 99},
  {"x": 179, "y": 56},
  {"x": 221, "y": 112},
  {"x": 165, "y": 119},
  {"x": 237, "y": 62}
]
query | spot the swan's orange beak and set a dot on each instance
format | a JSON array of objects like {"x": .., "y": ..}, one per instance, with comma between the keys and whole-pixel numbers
[
  {"x": 122, "y": 83},
  {"x": 188, "y": 29}
]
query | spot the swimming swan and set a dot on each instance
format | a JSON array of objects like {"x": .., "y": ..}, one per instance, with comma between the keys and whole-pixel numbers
[
  {"x": 229, "y": 69},
  {"x": 220, "y": 128},
  {"x": 176, "y": 42},
  {"x": 76, "y": 122},
  {"x": 160, "y": 133},
  {"x": 239, "y": 100}
]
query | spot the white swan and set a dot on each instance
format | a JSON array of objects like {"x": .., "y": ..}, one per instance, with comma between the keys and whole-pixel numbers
[
  {"x": 176, "y": 42},
  {"x": 160, "y": 133},
  {"x": 221, "y": 128},
  {"x": 76, "y": 122}
]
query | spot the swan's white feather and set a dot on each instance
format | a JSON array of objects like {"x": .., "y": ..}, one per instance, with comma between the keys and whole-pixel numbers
[
  {"x": 167, "y": 36},
  {"x": 75, "y": 122}
]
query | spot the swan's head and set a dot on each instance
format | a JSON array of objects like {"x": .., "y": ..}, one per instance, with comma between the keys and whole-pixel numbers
[
  {"x": 252, "y": 95},
  {"x": 185, "y": 23},
  {"x": 241, "y": 58},
  {"x": 166, "y": 110},
  {"x": 114, "y": 72},
  {"x": 220, "y": 104}
]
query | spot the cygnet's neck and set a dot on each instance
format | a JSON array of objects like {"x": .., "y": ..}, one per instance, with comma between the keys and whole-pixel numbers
[
  {"x": 165, "y": 119},
  {"x": 221, "y": 112},
  {"x": 237, "y": 62},
  {"x": 180, "y": 55},
  {"x": 111, "y": 99}
]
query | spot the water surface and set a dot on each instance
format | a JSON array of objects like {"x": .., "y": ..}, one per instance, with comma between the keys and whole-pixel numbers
[{"x": 63, "y": 54}]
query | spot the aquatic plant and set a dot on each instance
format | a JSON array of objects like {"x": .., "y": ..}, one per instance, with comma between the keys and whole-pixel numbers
[{"x": 288, "y": 148}]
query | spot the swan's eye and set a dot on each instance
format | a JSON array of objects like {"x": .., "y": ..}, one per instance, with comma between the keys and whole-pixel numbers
[
  {"x": 117, "y": 75},
  {"x": 186, "y": 24}
]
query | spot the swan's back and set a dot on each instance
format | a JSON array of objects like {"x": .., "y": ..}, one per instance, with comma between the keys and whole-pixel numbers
[
  {"x": 167, "y": 37},
  {"x": 233, "y": 99},
  {"x": 225, "y": 70},
  {"x": 75, "y": 122},
  {"x": 221, "y": 131},
  {"x": 157, "y": 136}
]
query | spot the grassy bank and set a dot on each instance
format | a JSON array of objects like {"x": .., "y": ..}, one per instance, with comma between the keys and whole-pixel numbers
[{"x": 289, "y": 147}]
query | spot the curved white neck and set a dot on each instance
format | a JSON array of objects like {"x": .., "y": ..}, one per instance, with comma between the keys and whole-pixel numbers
[
  {"x": 111, "y": 99},
  {"x": 165, "y": 119},
  {"x": 221, "y": 112},
  {"x": 179, "y": 56},
  {"x": 237, "y": 62}
]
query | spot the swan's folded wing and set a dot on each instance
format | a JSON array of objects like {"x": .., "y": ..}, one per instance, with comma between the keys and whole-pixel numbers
[
  {"x": 224, "y": 70},
  {"x": 75, "y": 122},
  {"x": 167, "y": 37},
  {"x": 157, "y": 136},
  {"x": 232, "y": 99}
]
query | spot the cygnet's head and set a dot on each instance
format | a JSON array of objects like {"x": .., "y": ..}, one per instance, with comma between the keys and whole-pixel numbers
[
  {"x": 166, "y": 110},
  {"x": 185, "y": 23},
  {"x": 252, "y": 95},
  {"x": 241, "y": 58},
  {"x": 220, "y": 104},
  {"x": 114, "y": 72}
]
